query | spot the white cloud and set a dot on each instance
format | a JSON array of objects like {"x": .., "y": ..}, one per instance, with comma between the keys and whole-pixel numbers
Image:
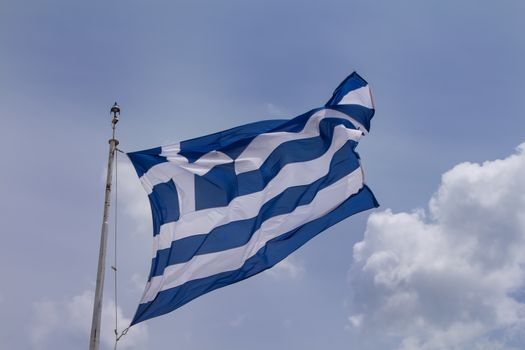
[
  {"x": 289, "y": 267},
  {"x": 446, "y": 278},
  {"x": 356, "y": 320},
  {"x": 56, "y": 324},
  {"x": 138, "y": 281},
  {"x": 132, "y": 195}
]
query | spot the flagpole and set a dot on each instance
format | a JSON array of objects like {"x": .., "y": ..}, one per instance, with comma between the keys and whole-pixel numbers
[{"x": 94, "y": 340}]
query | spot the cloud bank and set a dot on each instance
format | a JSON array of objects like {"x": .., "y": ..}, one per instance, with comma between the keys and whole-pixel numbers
[
  {"x": 67, "y": 324},
  {"x": 451, "y": 276}
]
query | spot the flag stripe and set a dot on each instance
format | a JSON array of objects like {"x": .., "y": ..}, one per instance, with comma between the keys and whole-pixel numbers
[
  {"x": 220, "y": 237},
  {"x": 361, "y": 114},
  {"x": 351, "y": 83},
  {"x": 244, "y": 207},
  {"x": 164, "y": 204},
  {"x": 274, "y": 251},
  {"x": 359, "y": 96}
]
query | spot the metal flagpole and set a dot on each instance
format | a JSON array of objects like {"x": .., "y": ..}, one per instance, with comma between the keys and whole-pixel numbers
[{"x": 94, "y": 340}]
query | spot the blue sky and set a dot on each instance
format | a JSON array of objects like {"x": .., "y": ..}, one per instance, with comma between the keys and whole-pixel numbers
[{"x": 448, "y": 81}]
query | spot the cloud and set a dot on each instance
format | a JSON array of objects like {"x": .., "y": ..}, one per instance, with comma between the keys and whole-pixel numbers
[
  {"x": 449, "y": 277},
  {"x": 275, "y": 110},
  {"x": 289, "y": 267},
  {"x": 67, "y": 323},
  {"x": 138, "y": 282},
  {"x": 132, "y": 196}
]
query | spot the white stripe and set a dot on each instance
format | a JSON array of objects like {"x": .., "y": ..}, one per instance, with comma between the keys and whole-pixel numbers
[
  {"x": 359, "y": 96},
  {"x": 263, "y": 145},
  {"x": 202, "y": 266},
  {"x": 247, "y": 206}
]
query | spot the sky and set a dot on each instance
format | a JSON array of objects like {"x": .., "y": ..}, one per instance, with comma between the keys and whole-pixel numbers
[{"x": 439, "y": 265}]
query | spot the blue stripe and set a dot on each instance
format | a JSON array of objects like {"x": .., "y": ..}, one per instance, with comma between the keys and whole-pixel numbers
[
  {"x": 274, "y": 251},
  {"x": 362, "y": 114},
  {"x": 234, "y": 141},
  {"x": 144, "y": 160},
  {"x": 195, "y": 148},
  {"x": 353, "y": 82},
  {"x": 344, "y": 161},
  {"x": 164, "y": 202}
]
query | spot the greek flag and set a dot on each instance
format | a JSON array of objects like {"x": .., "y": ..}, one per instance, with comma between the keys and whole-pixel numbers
[{"x": 232, "y": 204}]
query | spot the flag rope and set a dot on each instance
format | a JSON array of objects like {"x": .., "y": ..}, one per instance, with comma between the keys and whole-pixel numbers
[{"x": 114, "y": 267}]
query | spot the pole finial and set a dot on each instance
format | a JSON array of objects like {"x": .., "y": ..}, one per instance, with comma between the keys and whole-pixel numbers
[{"x": 116, "y": 113}]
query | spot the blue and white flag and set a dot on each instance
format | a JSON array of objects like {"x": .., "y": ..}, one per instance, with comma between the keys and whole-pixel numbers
[{"x": 232, "y": 204}]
